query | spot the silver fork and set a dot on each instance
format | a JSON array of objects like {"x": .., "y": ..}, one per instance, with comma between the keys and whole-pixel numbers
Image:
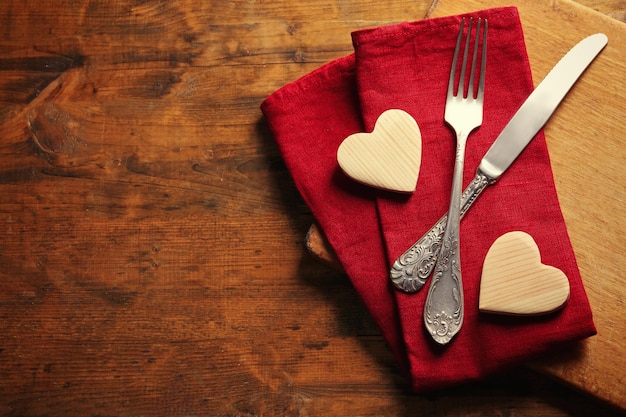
[{"x": 443, "y": 311}]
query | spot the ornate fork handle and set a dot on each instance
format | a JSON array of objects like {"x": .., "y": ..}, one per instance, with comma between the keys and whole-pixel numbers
[
  {"x": 411, "y": 270},
  {"x": 443, "y": 311}
]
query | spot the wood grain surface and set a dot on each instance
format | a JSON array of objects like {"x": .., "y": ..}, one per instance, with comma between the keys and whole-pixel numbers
[
  {"x": 515, "y": 281},
  {"x": 389, "y": 157},
  {"x": 597, "y": 366},
  {"x": 151, "y": 257}
]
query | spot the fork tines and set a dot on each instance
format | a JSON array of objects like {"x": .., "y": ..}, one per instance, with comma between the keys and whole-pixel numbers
[{"x": 461, "y": 85}]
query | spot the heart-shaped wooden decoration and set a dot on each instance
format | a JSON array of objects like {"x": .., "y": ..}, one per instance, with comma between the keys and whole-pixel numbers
[
  {"x": 514, "y": 281},
  {"x": 388, "y": 158}
]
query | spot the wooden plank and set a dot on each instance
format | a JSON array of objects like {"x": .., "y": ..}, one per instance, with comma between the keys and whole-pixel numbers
[
  {"x": 151, "y": 240},
  {"x": 585, "y": 143},
  {"x": 613, "y": 8},
  {"x": 584, "y": 139}
]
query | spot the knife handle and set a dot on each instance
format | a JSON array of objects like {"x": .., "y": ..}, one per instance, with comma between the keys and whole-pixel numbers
[{"x": 411, "y": 270}]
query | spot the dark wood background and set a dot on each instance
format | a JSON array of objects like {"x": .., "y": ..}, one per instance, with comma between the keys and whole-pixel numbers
[{"x": 151, "y": 257}]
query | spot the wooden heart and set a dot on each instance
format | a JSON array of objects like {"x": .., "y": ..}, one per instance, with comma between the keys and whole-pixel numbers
[
  {"x": 514, "y": 281},
  {"x": 389, "y": 158}
]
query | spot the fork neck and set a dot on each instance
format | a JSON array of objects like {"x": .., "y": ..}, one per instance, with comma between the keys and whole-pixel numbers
[{"x": 457, "y": 178}]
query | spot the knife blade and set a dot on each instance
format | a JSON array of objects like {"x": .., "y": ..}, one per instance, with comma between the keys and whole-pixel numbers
[{"x": 411, "y": 270}]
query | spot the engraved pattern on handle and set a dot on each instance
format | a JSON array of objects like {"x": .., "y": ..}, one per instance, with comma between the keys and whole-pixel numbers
[
  {"x": 443, "y": 311},
  {"x": 411, "y": 270}
]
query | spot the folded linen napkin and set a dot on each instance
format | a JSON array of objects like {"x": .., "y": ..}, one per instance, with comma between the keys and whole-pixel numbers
[{"x": 406, "y": 66}]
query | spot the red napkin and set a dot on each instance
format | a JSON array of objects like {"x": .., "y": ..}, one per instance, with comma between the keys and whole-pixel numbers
[
  {"x": 309, "y": 119},
  {"x": 406, "y": 66}
]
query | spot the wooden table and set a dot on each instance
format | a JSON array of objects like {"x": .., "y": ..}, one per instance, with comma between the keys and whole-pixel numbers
[{"x": 151, "y": 258}]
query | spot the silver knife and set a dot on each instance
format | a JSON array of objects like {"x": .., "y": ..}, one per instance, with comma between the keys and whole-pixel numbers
[{"x": 411, "y": 270}]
